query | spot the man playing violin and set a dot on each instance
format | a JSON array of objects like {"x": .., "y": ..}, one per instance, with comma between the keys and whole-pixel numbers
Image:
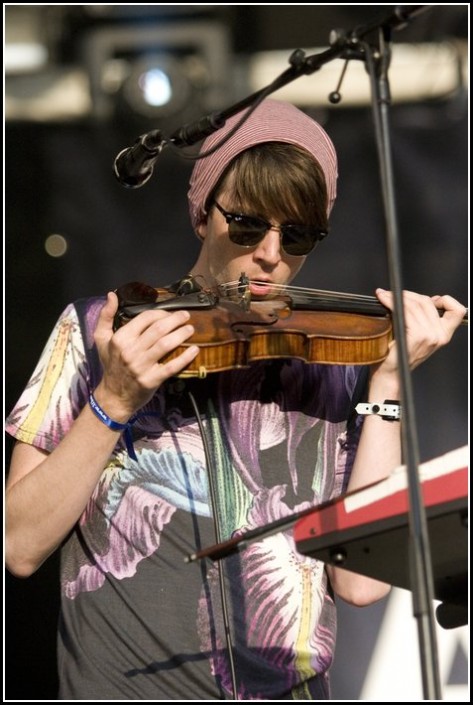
[{"x": 128, "y": 466}]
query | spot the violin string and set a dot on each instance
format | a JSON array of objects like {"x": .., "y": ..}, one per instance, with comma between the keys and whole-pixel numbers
[
  {"x": 320, "y": 295},
  {"x": 236, "y": 287}
]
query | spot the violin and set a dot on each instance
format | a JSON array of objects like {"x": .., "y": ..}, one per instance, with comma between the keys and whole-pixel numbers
[{"x": 232, "y": 329}]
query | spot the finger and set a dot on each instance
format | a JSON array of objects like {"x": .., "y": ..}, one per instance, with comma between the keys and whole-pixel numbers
[
  {"x": 162, "y": 321},
  {"x": 420, "y": 309},
  {"x": 144, "y": 354},
  {"x": 387, "y": 297},
  {"x": 172, "y": 367},
  {"x": 443, "y": 314},
  {"x": 453, "y": 313},
  {"x": 148, "y": 334},
  {"x": 153, "y": 375}
]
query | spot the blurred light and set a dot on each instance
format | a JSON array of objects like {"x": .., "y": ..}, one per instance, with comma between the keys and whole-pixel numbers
[
  {"x": 24, "y": 57},
  {"x": 25, "y": 39},
  {"x": 55, "y": 94},
  {"x": 157, "y": 86},
  {"x": 55, "y": 245}
]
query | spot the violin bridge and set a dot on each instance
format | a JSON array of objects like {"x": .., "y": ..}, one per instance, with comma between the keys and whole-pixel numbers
[{"x": 244, "y": 293}]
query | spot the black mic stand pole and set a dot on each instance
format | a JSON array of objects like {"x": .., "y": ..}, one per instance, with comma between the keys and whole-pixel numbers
[{"x": 420, "y": 567}]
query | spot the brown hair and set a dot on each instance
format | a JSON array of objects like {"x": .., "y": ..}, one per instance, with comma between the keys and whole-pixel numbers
[{"x": 277, "y": 180}]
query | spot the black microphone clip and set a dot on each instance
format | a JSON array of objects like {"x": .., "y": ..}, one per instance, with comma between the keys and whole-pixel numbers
[{"x": 134, "y": 165}]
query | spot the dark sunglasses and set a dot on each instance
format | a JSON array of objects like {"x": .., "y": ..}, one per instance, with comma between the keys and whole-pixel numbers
[{"x": 248, "y": 231}]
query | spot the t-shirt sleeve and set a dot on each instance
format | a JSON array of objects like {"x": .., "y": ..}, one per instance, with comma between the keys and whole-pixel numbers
[{"x": 57, "y": 390}]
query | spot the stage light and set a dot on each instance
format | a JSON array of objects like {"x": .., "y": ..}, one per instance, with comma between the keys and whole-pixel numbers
[
  {"x": 157, "y": 87},
  {"x": 173, "y": 70}
]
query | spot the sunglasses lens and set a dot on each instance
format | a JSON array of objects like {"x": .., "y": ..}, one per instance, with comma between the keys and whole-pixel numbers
[
  {"x": 299, "y": 240},
  {"x": 136, "y": 293},
  {"x": 246, "y": 231}
]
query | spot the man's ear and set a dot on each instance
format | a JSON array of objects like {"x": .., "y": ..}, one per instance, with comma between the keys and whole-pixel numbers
[{"x": 201, "y": 230}]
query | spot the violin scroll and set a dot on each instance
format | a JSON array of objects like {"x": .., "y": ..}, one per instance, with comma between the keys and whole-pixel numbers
[{"x": 135, "y": 297}]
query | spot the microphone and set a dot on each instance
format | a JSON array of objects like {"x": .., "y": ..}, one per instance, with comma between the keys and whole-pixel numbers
[{"x": 134, "y": 165}]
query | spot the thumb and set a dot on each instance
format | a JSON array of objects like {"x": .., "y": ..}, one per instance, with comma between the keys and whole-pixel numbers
[
  {"x": 104, "y": 329},
  {"x": 385, "y": 297}
]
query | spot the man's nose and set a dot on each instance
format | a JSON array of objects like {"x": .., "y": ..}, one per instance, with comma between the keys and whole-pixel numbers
[{"x": 269, "y": 249}]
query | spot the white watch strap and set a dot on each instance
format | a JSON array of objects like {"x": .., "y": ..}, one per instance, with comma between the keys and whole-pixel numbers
[{"x": 388, "y": 410}]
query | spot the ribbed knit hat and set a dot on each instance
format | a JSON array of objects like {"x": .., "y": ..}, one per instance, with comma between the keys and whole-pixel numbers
[{"x": 272, "y": 121}]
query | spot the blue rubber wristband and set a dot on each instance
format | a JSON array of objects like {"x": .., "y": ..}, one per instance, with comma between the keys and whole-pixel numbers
[
  {"x": 114, "y": 425},
  {"x": 100, "y": 414}
]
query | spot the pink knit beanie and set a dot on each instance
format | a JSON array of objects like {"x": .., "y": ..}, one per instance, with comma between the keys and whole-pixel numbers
[{"x": 272, "y": 121}]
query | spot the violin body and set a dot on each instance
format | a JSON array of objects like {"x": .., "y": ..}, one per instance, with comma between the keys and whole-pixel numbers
[
  {"x": 232, "y": 336},
  {"x": 239, "y": 338}
]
